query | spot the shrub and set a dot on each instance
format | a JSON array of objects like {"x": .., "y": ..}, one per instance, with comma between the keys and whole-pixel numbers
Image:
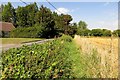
[
  {"x": 116, "y": 33},
  {"x": 45, "y": 61},
  {"x": 66, "y": 38},
  {"x": 85, "y": 32},
  {"x": 29, "y": 32}
]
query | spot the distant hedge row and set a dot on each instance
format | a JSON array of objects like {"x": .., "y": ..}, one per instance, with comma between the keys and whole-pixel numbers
[{"x": 98, "y": 32}]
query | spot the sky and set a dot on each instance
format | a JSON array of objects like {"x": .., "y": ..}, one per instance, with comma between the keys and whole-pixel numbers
[{"x": 95, "y": 14}]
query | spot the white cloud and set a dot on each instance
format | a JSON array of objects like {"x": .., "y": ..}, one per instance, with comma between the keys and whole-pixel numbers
[{"x": 62, "y": 10}]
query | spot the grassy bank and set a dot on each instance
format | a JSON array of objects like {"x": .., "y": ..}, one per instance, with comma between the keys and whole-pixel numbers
[
  {"x": 84, "y": 65},
  {"x": 17, "y": 40}
]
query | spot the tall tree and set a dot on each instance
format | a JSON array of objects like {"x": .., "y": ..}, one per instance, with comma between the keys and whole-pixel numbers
[
  {"x": 21, "y": 14},
  {"x": 31, "y": 11},
  {"x": 8, "y": 13},
  {"x": 62, "y": 23},
  {"x": 59, "y": 26},
  {"x": 82, "y": 29},
  {"x": 66, "y": 21},
  {"x": 82, "y": 25},
  {"x": 44, "y": 17},
  {"x": 26, "y": 15},
  {"x": 72, "y": 29},
  {"x": 1, "y": 9}
]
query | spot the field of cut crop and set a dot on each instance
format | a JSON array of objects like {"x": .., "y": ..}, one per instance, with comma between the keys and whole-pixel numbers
[{"x": 106, "y": 50}]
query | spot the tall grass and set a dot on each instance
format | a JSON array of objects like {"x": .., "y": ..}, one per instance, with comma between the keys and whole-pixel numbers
[
  {"x": 86, "y": 66},
  {"x": 96, "y": 61}
]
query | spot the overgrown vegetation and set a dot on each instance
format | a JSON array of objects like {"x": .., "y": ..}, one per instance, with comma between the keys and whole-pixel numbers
[
  {"x": 97, "y": 59},
  {"x": 45, "y": 61},
  {"x": 86, "y": 65},
  {"x": 57, "y": 59}
]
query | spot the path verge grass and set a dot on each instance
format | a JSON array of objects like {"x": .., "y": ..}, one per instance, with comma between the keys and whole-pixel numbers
[
  {"x": 86, "y": 65},
  {"x": 17, "y": 40}
]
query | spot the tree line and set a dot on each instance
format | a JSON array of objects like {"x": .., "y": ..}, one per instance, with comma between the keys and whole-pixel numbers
[
  {"x": 84, "y": 31},
  {"x": 31, "y": 21}
]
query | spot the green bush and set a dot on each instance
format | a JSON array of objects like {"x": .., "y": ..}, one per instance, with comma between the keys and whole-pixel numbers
[
  {"x": 66, "y": 38},
  {"x": 29, "y": 32},
  {"x": 45, "y": 61},
  {"x": 116, "y": 33}
]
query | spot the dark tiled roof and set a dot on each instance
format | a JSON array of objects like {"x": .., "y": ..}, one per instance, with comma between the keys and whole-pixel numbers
[{"x": 6, "y": 26}]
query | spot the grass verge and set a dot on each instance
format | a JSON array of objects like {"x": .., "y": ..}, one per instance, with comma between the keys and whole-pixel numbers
[
  {"x": 17, "y": 40},
  {"x": 86, "y": 65}
]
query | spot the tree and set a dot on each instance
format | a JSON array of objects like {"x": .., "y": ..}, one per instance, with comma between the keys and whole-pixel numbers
[
  {"x": 59, "y": 26},
  {"x": 82, "y": 25},
  {"x": 82, "y": 29},
  {"x": 96, "y": 32},
  {"x": 31, "y": 12},
  {"x": 62, "y": 24},
  {"x": 72, "y": 29},
  {"x": 106, "y": 32},
  {"x": 45, "y": 18},
  {"x": 66, "y": 21},
  {"x": 8, "y": 13},
  {"x": 26, "y": 15},
  {"x": 116, "y": 33},
  {"x": 85, "y": 32},
  {"x": 1, "y": 10},
  {"x": 21, "y": 15}
]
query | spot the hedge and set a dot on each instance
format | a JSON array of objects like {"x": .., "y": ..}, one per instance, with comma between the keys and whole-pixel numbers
[
  {"x": 29, "y": 32},
  {"x": 44, "y": 61}
]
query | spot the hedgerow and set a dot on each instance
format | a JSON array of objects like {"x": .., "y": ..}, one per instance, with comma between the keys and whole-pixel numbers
[
  {"x": 29, "y": 32},
  {"x": 50, "y": 60}
]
